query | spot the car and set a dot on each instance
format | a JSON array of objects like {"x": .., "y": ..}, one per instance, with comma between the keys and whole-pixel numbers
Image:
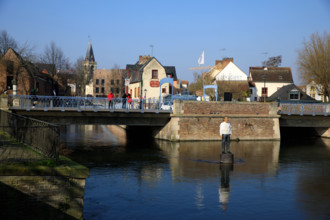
[{"x": 167, "y": 106}]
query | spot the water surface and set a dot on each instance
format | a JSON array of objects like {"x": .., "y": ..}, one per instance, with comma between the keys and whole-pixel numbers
[{"x": 163, "y": 180}]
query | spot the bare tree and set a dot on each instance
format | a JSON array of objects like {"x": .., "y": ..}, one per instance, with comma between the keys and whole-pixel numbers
[
  {"x": 314, "y": 62},
  {"x": 54, "y": 55},
  {"x": 26, "y": 51},
  {"x": 273, "y": 61},
  {"x": 79, "y": 76},
  {"x": 7, "y": 42}
]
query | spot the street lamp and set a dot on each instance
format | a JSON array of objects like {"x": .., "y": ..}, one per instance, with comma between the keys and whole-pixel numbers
[
  {"x": 145, "y": 93},
  {"x": 264, "y": 90}
]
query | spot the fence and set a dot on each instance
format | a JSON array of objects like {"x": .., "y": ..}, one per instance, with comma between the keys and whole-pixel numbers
[
  {"x": 85, "y": 103},
  {"x": 41, "y": 136},
  {"x": 305, "y": 109}
]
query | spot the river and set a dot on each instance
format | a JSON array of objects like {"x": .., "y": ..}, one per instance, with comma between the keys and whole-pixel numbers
[{"x": 163, "y": 180}]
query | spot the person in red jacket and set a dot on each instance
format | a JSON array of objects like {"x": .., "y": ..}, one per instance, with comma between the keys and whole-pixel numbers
[{"x": 110, "y": 98}]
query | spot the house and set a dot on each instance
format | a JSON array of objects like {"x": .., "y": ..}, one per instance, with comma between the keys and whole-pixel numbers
[
  {"x": 290, "y": 93},
  {"x": 231, "y": 80},
  {"x": 268, "y": 80},
  {"x": 144, "y": 78},
  {"x": 314, "y": 90},
  {"x": 226, "y": 69},
  {"x": 19, "y": 76}
]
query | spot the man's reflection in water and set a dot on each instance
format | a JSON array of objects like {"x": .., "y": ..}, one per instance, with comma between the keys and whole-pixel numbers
[{"x": 224, "y": 188}]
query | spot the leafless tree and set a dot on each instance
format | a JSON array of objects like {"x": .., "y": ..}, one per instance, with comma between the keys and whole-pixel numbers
[
  {"x": 54, "y": 55},
  {"x": 273, "y": 61},
  {"x": 7, "y": 42},
  {"x": 79, "y": 76},
  {"x": 314, "y": 62},
  {"x": 25, "y": 50}
]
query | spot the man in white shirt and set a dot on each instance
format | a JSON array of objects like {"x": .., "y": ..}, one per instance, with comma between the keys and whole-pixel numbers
[{"x": 225, "y": 132}]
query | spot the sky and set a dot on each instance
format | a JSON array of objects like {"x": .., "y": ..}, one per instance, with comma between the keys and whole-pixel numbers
[{"x": 249, "y": 31}]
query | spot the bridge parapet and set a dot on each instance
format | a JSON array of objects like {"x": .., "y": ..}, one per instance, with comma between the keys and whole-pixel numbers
[{"x": 305, "y": 109}]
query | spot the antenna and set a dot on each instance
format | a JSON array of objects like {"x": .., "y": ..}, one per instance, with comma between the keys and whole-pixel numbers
[
  {"x": 152, "y": 50},
  {"x": 265, "y": 53},
  {"x": 223, "y": 49}
]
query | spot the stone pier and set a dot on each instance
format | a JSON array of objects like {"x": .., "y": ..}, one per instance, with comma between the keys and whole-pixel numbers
[{"x": 199, "y": 121}]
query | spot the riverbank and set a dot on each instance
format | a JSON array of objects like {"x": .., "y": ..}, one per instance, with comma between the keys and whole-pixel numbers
[{"x": 56, "y": 186}]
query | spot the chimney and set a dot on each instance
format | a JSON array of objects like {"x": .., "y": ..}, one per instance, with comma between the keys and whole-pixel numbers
[
  {"x": 224, "y": 61},
  {"x": 143, "y": 59}
]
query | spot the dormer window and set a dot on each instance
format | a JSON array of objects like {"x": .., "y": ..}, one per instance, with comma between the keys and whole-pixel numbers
[{"x": 294, "y": 95}]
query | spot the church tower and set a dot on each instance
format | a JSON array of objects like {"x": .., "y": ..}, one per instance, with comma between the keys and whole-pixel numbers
[{"x": 89, "y": 66}]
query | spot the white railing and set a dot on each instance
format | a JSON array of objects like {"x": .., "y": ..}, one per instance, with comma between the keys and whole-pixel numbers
[
  {"x": 63, "y": 103},
  {"x": 305, "y": 109}
]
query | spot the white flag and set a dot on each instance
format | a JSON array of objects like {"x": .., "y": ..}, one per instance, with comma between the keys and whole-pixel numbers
[{"x": 201, "y": 59}]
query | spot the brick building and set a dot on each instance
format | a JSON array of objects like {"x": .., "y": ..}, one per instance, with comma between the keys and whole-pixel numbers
[
  {"x": 105, "y": 81},
  {"x": 99, "y": 82},
  {"x": 24, "y": 75}
]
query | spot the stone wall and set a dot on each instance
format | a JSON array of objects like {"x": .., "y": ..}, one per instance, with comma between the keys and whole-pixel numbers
[{"x": 193, "y": 120}]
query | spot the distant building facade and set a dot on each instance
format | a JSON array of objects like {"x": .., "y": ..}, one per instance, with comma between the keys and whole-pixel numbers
[
  {"x": 89, "y": 67},
  {"x": 18, "y": 76},
  {"x": 106, "y": 81},
  {"x": 145, "y": 76},
  {"x": 267, "y": 80},
  {"x": 99, "y": 82}
]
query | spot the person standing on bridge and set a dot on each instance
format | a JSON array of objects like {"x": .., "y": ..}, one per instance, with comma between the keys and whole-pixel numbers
[
  {"x": 110, "y": 98},
  {"x": 225, "y": 132}
]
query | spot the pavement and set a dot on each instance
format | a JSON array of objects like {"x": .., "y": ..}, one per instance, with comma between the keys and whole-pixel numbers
[{"x": 14, "y": 152}]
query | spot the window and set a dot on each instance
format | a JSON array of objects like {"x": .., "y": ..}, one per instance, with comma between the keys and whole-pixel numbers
[
  {"x": 264, "y": 91},
  {"x": 163, "y": 90},
  {"x": 102, "y": 82},
  {"x": 117, "y": 90},
  {"x": 117, "y": 81},
  {"x": 97, "y": 81},
  {"x": 154, "y": 74},
  {"x": 112, "y": 82},
  {"x": 102, "y": 90},
  {"x": 10, "y": 82},
  {"x": 97, "y": 90},
  {"x": 251, "y": 91},
  {"x": 294, "y": 95}
]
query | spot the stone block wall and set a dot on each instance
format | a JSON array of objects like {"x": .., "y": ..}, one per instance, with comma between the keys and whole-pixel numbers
[{"x": 200, "y": 121}]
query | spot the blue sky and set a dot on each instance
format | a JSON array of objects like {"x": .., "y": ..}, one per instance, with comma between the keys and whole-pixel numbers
[{"x": 120, "y": 31}]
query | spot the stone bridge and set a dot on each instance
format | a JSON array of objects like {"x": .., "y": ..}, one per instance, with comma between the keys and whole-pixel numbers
[{"x": 192, "y": 120}]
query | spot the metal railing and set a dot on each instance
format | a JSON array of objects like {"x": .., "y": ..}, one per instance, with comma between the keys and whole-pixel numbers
[
  {"x": 63, "y": 103},
  {"x": 305, "y": 109},
  {"x": 41, "y": 136}
]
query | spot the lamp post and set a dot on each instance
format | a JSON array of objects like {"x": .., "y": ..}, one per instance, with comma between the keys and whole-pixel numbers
[{"x": 264, "y": 77}]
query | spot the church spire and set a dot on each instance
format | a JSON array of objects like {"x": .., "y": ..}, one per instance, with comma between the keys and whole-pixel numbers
[{"x": 89, "y": 53}]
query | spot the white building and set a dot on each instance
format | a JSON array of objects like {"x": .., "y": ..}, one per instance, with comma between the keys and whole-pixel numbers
[
  {"x": 145, "y": 78},
  {"x": 268, "y": 80},
  {"x": 315, "y": 91}
]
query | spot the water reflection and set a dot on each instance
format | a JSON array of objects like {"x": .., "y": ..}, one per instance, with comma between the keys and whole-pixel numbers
[
  {"x": 260, "y": 157},
  {"x": 224, "y": 187},
  {"x": 184, "y": 180}
]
